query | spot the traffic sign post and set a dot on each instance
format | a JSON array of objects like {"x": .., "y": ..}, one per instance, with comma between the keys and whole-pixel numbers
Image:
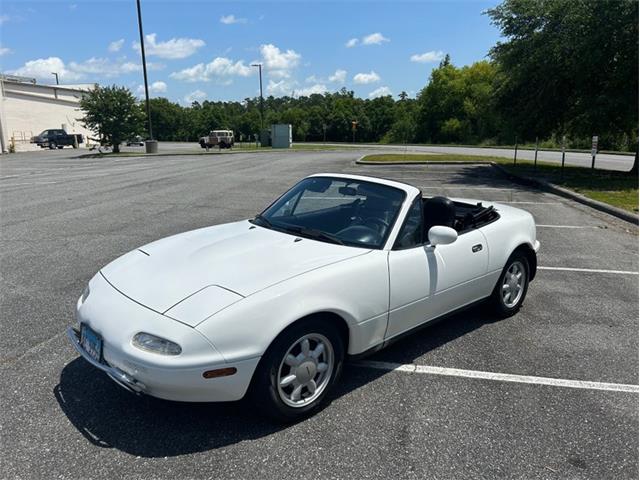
[
  {"x": 354, "y": 126},
  {"x": 594, "y": 150}
]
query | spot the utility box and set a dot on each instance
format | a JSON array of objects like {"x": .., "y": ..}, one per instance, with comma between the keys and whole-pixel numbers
[{"x": 281, "y": 136}]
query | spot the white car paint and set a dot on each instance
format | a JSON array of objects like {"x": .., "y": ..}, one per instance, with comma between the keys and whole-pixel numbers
[{"x": 224, "y": 293}]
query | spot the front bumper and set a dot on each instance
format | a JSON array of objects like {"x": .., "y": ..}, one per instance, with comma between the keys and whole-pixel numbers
[
  {"x": 123, "y": 379},
  {"x": 117, "y": 319}
]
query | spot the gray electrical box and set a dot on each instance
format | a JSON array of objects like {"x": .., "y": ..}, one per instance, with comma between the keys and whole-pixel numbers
[{"x": 281, "y": 136}]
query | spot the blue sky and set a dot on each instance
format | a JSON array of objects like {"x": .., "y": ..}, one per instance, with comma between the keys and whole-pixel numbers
[{"x": 204, "y": 50}]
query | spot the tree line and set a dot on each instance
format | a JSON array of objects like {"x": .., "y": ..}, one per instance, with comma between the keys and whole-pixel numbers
[{"x": 565, "y": 69}]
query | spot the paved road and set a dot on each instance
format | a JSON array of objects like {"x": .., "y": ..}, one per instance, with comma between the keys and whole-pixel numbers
[
  {"x": 603, "y": 161},
  {"x": 64, "y": 218}
]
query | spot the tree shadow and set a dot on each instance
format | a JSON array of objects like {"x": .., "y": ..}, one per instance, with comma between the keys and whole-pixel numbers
[{"x": 110, "y": 417}]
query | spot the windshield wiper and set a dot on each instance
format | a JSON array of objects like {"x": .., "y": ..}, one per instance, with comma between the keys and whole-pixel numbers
[
  {"x": 261, "y": 218},
  {"x": 316, "y": 234}
]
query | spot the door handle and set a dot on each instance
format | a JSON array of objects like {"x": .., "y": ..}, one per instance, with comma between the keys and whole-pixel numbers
[{"x": 476, "y": 248}]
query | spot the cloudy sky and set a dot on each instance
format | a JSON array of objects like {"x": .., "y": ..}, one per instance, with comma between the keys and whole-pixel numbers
[{"x": 204, "y": 50}]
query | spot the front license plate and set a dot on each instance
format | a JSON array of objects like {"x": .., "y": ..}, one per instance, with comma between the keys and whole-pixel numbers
[{"x": 91, "y": 342}]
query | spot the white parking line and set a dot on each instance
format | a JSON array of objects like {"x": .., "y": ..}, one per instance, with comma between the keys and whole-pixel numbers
[
  {"x": 532, "y": 203},
  {"x": 567, "y": 226},
  {"x": 589, "y": 270},
  {"x": 500, "y": 377}
]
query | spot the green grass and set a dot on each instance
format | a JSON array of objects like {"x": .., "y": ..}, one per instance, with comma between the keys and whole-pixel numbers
[{"x": 619, "y": 189}]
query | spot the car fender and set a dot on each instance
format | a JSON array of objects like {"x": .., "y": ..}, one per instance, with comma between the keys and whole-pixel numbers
[
  {"x": 356, "y": 289},
  {"x": 514, "y": 228}
]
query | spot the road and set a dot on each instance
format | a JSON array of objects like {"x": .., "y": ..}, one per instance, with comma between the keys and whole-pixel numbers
[
  {"x": 605, "y": 161},
  {"x": 63, "y": 218}
]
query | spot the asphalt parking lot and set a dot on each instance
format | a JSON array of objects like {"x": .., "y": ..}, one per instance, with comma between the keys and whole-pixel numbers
[{"x": 63, "y": 218}]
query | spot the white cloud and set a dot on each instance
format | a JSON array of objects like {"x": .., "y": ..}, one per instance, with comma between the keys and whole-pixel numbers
[
  {"x": 313, "y": 79},
  {"x": 195, "y": 96},
  {"x": 219, "y": 68},
  {"x": 279, "y": 63},
  {"x": 339, "y": 76},
  {"x": 428, "y": 57},
  {"x": 283, "y": 87},
  {"x": 4, "y": 51},
  {"x": 380, "y": 92},
  {"x": 317, "y": 88},
  {"x": 171, "y": 49},
  {"x": 158, "y": 87},
  {"x": 104, "y": 67},
  {"x": 154, "y": 88},
  {"x": 366, "y": 78},
  {"x": 41, "y": 68},
  {"x": 4, "y": 19},
  {"x": 352, "y": 42},
  {"x": 116, "y": 45},
  {"x": 374, "y": 39},
  {"x": 231, "y": 19}
]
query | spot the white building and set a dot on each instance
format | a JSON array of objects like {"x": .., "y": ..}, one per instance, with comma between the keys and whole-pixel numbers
[{"x": 27, "y": 108}]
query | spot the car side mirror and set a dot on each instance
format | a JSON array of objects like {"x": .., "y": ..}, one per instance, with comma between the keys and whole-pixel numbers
[{"x": 440, "y": 235}]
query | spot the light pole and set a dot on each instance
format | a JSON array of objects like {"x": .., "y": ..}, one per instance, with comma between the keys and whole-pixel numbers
[
  {"x": 56, "y": 75},
  {"x": 259, "y": 65},
  {"x": 152, "y": 146}
]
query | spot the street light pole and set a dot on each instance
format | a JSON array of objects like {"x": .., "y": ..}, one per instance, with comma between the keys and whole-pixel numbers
[
  {"x": 259, "y": 65},
  {"x": 144, "y": 70},
  {"x": 56, "y": 75}
]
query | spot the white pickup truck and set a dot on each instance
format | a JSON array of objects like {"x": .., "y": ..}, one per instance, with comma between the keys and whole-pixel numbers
[{"x": 218, "y": 138}]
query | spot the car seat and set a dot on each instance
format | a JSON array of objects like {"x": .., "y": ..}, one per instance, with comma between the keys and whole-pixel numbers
[{"x": 439, "y": 211}]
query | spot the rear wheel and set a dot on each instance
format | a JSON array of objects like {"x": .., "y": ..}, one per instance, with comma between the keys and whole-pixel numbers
[
  {"x": 298, "y": 370},
  {"x": 511, "y": 289},
  {"x": 52, "y": 145}
]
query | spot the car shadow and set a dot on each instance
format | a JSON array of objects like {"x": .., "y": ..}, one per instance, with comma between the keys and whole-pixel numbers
[{"x": 110, "y": 417}]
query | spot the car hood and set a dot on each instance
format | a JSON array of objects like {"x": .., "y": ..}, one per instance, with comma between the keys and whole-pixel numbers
[{"x": 240, "y": 257}]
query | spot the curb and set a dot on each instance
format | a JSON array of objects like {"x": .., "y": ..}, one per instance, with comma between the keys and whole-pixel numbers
[
  {"x": 360, "y": 161},
  {"x": 571, "y": 195},
  {"x": 540, "y": 184}
]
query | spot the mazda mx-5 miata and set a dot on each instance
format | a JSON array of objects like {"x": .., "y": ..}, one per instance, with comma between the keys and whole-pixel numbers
[{"x": 338, "y": 266}]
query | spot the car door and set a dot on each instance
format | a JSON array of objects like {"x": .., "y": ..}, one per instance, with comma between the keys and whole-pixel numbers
[{"x": 427, "y": 282}]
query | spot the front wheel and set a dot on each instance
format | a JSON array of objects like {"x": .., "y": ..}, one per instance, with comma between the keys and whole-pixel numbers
[
  {"x": 511, "y": 289},
  {"x": 298, "y": 370},
  {"x": 52, "y": 145}
]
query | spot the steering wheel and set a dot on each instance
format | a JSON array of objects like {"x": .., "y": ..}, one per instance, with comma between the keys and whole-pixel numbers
[{"x": 378, "y": 223}]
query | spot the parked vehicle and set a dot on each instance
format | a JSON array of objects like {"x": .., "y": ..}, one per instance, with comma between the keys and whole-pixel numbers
[
  {"x": 57, "y": 138},
  {"x": 218, "y": 138},
  {"x": 135, "y": 141},
  {"x": 338, "y": 266}
]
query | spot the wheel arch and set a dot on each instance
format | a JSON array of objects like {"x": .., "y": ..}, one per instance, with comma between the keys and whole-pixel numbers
[{"x": 531, "y": 257}]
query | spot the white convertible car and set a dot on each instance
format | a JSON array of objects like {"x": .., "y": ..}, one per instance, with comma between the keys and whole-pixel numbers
[{"x": 338, "y": 266}]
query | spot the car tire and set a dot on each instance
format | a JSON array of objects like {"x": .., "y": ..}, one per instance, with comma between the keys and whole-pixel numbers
[
  {"x": 511, "y": 289},
  {"x": 292, "y": 380},
  {"x": 52, "y": 145}
]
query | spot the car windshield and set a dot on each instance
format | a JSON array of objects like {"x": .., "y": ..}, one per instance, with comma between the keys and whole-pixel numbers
[{"x": 336, "y": 210}]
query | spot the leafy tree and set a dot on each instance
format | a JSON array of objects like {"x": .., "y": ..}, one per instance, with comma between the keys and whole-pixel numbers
[
  {"x": 568, "y": 66},
  {"x": 457, "y": 104},
  {"x": 113, "y": 113}
]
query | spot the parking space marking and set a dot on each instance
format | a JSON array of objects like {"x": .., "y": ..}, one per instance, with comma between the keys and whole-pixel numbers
[
  {"x": 567, "y": 226},
  {"x": 533, "y": 203},
  {"x": 499, "y": 377},
  {"x": 589, "y": 270}
]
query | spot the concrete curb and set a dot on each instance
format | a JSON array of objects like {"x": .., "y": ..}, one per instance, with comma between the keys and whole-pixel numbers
[
  {"x": 566, "y": 193},
  {"x": 540, "y": 184},
  {"x": 360, "y": 161}
]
